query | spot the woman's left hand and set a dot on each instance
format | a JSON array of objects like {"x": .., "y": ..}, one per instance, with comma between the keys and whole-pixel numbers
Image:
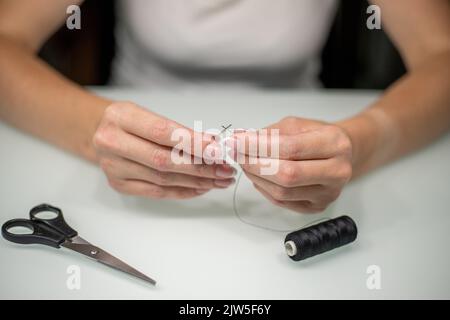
[{"x": 313, "y": 164}]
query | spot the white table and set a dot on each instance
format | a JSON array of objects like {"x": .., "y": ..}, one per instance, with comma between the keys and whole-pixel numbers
[{"x": 198, "y": 248}]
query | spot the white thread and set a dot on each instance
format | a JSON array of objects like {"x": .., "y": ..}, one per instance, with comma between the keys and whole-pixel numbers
[
  {"x": 223, "y": 138},
  {"x": 291, "y": 248}
]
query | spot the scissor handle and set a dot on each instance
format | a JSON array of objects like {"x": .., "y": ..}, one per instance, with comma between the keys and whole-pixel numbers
[
  {"x": 58, "y": 223},
  {"x": 40, "y": 233}
]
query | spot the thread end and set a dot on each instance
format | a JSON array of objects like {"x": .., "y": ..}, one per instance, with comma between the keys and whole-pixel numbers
[{"x": 291, "y": 248}]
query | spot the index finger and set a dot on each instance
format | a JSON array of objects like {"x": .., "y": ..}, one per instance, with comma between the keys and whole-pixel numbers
[
  {"x": 163, "y": 131},
  {"x": 308, "y": 145}
]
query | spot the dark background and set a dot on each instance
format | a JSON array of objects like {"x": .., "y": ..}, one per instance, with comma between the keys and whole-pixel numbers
[{"x": 353, "y": 57}]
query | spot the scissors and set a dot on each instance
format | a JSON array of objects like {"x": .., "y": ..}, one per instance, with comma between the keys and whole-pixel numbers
[{"x": 55, "y": 232}]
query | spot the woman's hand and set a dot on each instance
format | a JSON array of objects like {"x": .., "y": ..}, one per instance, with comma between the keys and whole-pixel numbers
[
  {"x": 313, "y": 165},
  {"x": 134, "y": 147}
]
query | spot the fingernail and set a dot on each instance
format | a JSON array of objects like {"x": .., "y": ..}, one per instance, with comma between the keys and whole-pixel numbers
[
  {"x": 209, "y": 138},
  {"x": 224, "y": 183},
  {"x": 213, "y": 151},
  {"x": 201, "y": 191},
  {"x": 206, "y": 136},
  {"x": 239, "y": 130},
  {"x": 225, "y": 171}
]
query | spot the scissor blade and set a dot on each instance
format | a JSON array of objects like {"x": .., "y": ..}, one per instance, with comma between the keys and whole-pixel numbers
[
  {"x": 79, "y": 240},
  {"x": 104, "y": 257}
]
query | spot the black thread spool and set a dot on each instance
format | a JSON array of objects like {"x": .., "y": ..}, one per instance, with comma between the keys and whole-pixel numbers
[{"x": 320, "y": 238}]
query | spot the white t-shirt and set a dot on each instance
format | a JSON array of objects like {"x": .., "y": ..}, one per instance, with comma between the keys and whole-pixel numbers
[{"x": 258, "y": 43}]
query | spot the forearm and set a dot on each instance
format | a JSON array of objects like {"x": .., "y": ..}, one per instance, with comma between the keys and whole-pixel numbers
[
  {"x": 412, "y": 113},
  {"x": 37, "y": 99}
]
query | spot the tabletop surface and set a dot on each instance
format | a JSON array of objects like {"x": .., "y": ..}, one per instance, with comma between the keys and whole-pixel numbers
[{"x": 199, "y": 248}]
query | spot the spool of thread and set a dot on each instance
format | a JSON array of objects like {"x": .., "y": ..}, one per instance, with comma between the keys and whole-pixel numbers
[{"x": 320, "y": 238}]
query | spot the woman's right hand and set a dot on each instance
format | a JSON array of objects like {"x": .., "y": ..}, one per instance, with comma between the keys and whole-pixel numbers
[{"x": 133, "y": 147}]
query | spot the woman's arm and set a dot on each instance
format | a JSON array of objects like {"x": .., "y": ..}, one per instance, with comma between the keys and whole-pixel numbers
[
  {"x": 131, "y": 144},
  {"x": 416, "y": 109},
  {"x": 34, "y": 97},
  {"x": 317, "y": 159}
]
